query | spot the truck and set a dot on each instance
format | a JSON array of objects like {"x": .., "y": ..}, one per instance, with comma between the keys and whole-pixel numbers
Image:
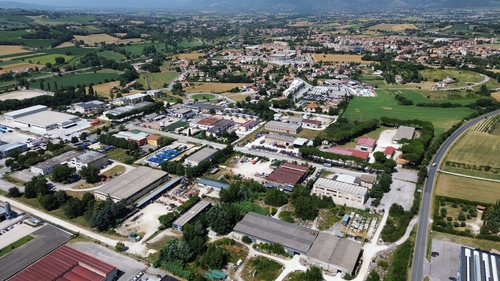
[
  {"x": 254, "y": 161},
  {"x": 329, "y": 165}
]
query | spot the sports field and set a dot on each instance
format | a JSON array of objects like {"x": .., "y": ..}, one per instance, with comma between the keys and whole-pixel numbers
[
  {"x": 339, "y": 58},
  {"x": 466, "y": 188},
  {"x": 365, "y": 108},
  {"x": 476, "y": 148},
  {"x": 213, "y": 87},
  {"x": 393, "y": 27}
]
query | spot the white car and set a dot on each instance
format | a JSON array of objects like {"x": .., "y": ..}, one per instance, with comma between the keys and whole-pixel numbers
[{"x": 434, "y": 164}]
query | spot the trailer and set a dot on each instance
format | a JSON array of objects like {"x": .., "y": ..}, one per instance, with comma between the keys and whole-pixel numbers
[{"x": 254, "y": 161}]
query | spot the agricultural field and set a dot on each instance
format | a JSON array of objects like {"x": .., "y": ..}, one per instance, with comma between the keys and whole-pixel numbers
[
  {"x": 46, "y": 58},
  {"x": 476, "y": 147},
  {"x": 237, "y": 96},
  {"x": 110, "y": 55},
  {"x": 62, "y": 20},
  {"x": 201, "y": 87},
  {"x": 393, "y": 27},
  {"x": 7, "y": 35},
  {"x": 338, "y": 58},
  {"x": 98, "y": 38},
  {"x": 157, "y": 80},
  {"x": 496, "y": 95},
  {"x": 105, "y": 88},
  {"x": 136, "y": 49},
  {"x": 10, "y": 49},
  {"x": 190, "y": 56},
  {"x": 462, "y": 187},
  {"x": 365, "y": 108},
  {"x": 75, "y": 79},
  {"x": 20, "y": 65},
  {"x": 37, "y": 43},
  {"x": 71, "y": 49},
  {"x": 459, "y": 75},
  {"x": 456, "y": 27}
]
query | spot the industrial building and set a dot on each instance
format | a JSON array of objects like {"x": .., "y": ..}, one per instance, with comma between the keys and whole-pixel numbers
[
  {"x": 281, "y": 140},
  {"x": 67, "y": 263},
  {"x": 478, "y": 265},
  {"x": 342, "y": 193},
  {"x": 404, "y": 132},
  {"x": 5, "y": 212},
  {"x": 334, "y": 254},
  {"x": 39, "y": 116},
  {"x": 198, "y": 209},
  {"x": 90, "y": 107},
  {"x": 327, "y": 251},
  {"x": 248, "y": 125},
  {"x": 132, "y": 185},
  {"x": 138, "y": 137},
  {"x": 311, "y": 123},
  {"x": 350, "y": 152},
  {"x": 153, "y": 140},
  {"x": 201, "y": 156},
  {"x": 368, "y": 181},
  {"x": 288, "y": 174},
  {"x": 46, "y": 167},
  {"x": 124, "y": 109},
  {"x": 212, "y": 184},
  {"x": 155, "y": 194},
  {"x": 6, "y": 149},
  {"x": 366, "y": 144},
  {"x": 281, "y": 127},
  {"x": 88, "y": 158},
  {"x": 203, "y": 107},
  {"x": 183, "y": 113}
]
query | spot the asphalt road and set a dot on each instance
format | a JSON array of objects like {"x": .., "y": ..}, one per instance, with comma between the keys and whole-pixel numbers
[{"x": 423, "y": 219}]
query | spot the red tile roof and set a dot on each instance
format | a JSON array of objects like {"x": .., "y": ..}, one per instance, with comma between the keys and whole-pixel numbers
[
  {"x": 366, "y": 141},
  {"x": 389, "y": 150},
  {"x": 350, "y": 152},
  {"x": 310, "y": 121},
  {"x": 288, "y": 173},
  {"x": 66, "y": 263}
]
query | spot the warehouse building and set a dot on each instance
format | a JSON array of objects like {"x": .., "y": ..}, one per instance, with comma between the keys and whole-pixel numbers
[
  {"x": 132, "y": 185},
  {"x": 288, "y": 174},
  {"x": 67, "y": 263},
  {"x": 350, "y": 152},
  {"x": 281, "y": 127},
  {"x": 39, "y": 116},
  {"x": 296, "y": 239},
  {"x": 478, "y": 265},
  {"x": 327, "y": 251},
  {"x": 203, "y": 107},
  {"x": 89, "y": 158},
  {"x": 281, "y": 140},
  {"x": 342, "y": 193},
  {"x": 212, "y": 184},
  {"x": 138, "y": 137},
  {"x": 334, "y": 254},
  {"x": 366, "y": 144},
  {"x": 46, "y": 167},
  {"x": 183, "y": 113},
  {"x": 6, "y": 149},
  {"x": 91, "y": 107},
  {"x": 203, "y": 155},
  {"x": 404, "y": 132},
  {"x": 198, "y": 209}
]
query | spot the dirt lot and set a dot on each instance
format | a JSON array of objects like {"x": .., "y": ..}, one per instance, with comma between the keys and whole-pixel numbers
[
  {"x": 250, "y": 171},
  {"x": 21, "y": 95},
  {"x": 155, "y": 124}
]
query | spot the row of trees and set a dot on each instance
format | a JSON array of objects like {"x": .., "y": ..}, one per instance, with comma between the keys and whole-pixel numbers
[{"x": 344, "y": 131}]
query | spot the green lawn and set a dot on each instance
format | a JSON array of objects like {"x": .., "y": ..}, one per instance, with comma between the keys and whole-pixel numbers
[
  {"x": 364, "y": 108},
  {"x": 15, "y": 245},
  {"x": 43, "y": 59},
  {"x": 75, "y": 79},
  {"x": 35, "y": 43},
  {"x": 458, "y": 75},
  {"x": 74, "y": 50},
  {"x": 111, "y": 55},
  {"x": 119, "y": 154},
  {"x": 176, "y": 125},
  {"x": 7, "y": 35},
  {"x": 136, "y": 49},
  {"x": 203, "y": 96},
  {"x": 157, "y": 80}
]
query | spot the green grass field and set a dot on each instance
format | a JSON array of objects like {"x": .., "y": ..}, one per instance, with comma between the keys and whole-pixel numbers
[
  {"x": 45, "y": 58},
  {"x": 203, "y": 96},
  {"x": 157, "y": 80},
  {"x": 7, "y": 35},
  {"x": 119, "y": 154},
  {"x": 35, "y": 43},
  {"x": 176, "y": 125},
  {"x": 73, "y": 50},
  {"x": 361, "y": 108},
  {"x": 460, "y": 75},
  {"x": 188, "y": 44},
  {"x": 9, "y": 19},
  {"x": 476, "y": 148},
  {"x": 62, "y": 20},
  {"x": 110, "y": 55},
  {"x": 136, "y": 49},
  {"x": 466, "y": 188},
  {"x": 75, "y": 79}
]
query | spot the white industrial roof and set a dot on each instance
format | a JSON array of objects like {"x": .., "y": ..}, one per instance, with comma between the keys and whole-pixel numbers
[
  {"x": 47, "y": 118},
  {"x": 342, "y": 186}
]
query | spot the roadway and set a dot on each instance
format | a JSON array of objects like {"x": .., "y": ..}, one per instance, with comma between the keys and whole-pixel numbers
[{"x": 425, "y": 208}]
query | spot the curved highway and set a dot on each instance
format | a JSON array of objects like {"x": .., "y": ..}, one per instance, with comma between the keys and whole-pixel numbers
[{"x": 423, "y": 219}]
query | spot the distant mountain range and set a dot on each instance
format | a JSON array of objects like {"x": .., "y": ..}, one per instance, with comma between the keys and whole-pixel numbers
[{"x": 254, "y": 5}]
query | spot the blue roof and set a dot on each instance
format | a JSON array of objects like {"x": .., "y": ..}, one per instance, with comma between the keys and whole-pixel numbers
[
  {"x": 214, "y": 184},
  {"x": 171, "y": 183}
]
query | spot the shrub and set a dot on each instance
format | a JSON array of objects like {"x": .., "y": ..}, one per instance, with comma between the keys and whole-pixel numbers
[
  {"x": 246, "y": 239},
  {"x": 462, "y": 224},
  {"x": 449, "y": 218}
]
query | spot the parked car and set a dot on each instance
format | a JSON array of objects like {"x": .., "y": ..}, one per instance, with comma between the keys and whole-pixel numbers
[{"x": 435, "y": 254}]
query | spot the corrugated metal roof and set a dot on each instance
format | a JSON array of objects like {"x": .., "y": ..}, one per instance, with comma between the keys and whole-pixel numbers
[
  {"x": 166, "y": 186},
  {"x": 192, "y": 213},
  {"x": 265, "y": 228},
  {"x": 212, "y": 183},
  {"x": 341, "y": 253},
  {"x": 342, "y": 186}
]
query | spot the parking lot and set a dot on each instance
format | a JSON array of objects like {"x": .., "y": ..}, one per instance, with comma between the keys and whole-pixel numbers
[
  {"x": 17, "y": 232},
  {"x": 127, "y": 266},
  {"x": 446, "y": 264}
]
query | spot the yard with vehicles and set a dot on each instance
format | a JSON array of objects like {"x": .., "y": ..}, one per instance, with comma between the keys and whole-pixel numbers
[{"x": 365, "y": 108}]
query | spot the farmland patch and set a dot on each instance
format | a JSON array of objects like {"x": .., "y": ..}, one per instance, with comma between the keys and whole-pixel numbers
[{"x": 462, "y": 188}]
